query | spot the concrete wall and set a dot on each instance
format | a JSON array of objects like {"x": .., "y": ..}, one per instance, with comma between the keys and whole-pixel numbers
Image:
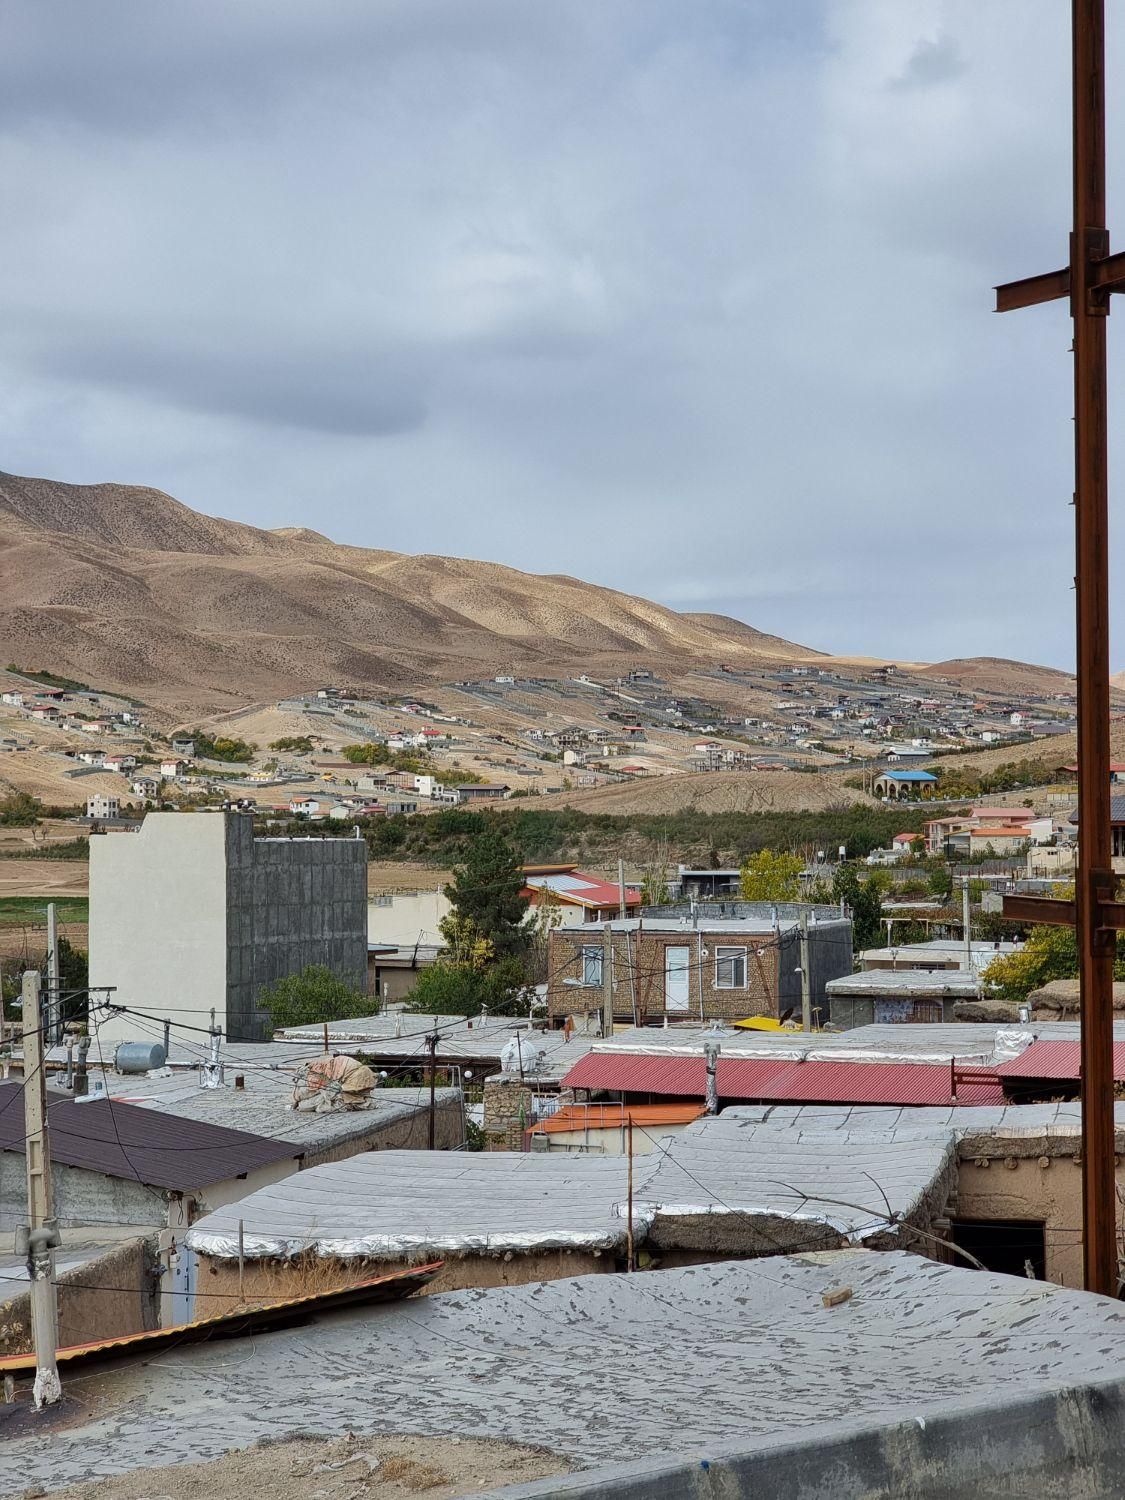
[
  {"x": 290, "y": 903},
  {"x": 158, "y": 921},
  {"x": 409, "y": 917},
  {"x": 111, "y": 1295},
  {"x": 192, "y": 912},
  {"x": 1056, "y": 1446}
]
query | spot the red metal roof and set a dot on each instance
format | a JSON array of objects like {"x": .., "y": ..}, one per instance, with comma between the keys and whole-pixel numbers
[
  {"x": 832, "y": 1082},
  {"x": 1057, "y": 1060},
  {"x": 739, "y": 1077},
  {"x": 763, "y": 1080}
]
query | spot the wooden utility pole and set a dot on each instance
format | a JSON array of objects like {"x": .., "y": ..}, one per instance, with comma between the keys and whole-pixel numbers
[
  {"x": 1088, "y": 280},
  {"x": 806, "y": 977},
  {"x": 40, "y": 1235}
]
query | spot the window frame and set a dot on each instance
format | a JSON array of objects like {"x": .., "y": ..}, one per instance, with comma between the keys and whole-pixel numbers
[
  {"x": 589, "y": 954},
  {"x": 727, "y": 953}
]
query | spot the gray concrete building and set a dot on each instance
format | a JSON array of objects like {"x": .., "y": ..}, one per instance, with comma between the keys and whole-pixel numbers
[{"x": 192, "y": 912}]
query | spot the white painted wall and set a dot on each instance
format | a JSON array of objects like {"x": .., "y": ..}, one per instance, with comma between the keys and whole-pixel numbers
[
  {"x": 411, "y": 917},
  {"x": 158, "y": 922}
]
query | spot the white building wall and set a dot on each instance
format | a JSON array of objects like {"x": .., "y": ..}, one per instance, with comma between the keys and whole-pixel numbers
[
  {"x": 411, "y": 917},
  {"x": 158, "y": 922}
]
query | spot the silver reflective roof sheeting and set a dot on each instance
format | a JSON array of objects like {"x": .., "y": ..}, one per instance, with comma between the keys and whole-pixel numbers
[
  {"x": 606, "y": 1368},
  {"x": 391, "y": 1205},
  {"x": 857, "y": 1184}
]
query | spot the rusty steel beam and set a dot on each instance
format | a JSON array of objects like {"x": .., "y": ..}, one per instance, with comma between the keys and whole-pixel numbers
[
  {"x": 1108, "y": 274},
  {"x": 1094, "y": 882},
  {"x": 1043, "y": 910},
  {"x": 1032, "y": 290}
]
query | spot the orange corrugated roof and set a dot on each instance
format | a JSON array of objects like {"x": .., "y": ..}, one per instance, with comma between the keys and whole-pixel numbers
[
  {"x": 611, "y": 1116},
  {"x": 1010, "y": 831}
]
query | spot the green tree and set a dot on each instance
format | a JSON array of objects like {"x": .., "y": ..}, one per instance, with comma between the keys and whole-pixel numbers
[
  {"x": 316, "y": 994},
  {"x": 20, "y": 810},
  {"x": 865, "y": 900},
  {"x": 772, "y": 876},
  {"x": 487, "y": 893},
  {"x": 463, "y": 989}
]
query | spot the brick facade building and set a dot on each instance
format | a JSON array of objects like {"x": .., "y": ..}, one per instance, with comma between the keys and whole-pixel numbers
[{"x": 706, "y": 966}]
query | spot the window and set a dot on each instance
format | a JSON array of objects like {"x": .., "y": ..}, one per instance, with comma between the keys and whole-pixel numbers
[
  {"x": 730, "y": 968},
  {"x": 592, "y": 966}
]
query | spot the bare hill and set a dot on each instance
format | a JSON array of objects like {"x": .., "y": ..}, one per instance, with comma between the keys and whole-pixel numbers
[
  {"x": 720, "y": 791},
  {"x": 128, "y": 588}
]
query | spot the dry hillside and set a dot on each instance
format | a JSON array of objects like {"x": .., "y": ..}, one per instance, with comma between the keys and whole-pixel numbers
[
  {"x": 720, "y": 791},
  {"x": 128, "y": 589}
]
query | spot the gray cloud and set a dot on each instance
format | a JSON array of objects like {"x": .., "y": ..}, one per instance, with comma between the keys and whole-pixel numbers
[{"x": 694, "y": 301}]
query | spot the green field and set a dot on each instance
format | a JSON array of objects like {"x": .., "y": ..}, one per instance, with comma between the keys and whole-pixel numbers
[{"x": 16, "y": 911}]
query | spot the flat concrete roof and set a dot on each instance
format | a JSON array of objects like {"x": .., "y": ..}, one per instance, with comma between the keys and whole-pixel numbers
[
  {"x": 915, "y": 983},
  {"x": 384, "y": 1024},
  {"x": 648, "y": 1368},
  {"x": 387, "y": 1205}
]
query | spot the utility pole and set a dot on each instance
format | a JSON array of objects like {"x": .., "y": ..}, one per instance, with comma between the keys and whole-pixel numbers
[
  {"x": 607, "y": 980},
  {"x": 630, "y": 1254},
  {"x": 621, "y": 888},
  {"x": 806, "y": 981},
  {"x": 966, "y": 925},
  {"x": 38, "y": 1238},
  {"x": 1088, "y": 280},
  {"x": 431, "y": 1048},
  {"x": 711, "y": 1053},
  {"x": 52, "y": 1028}
]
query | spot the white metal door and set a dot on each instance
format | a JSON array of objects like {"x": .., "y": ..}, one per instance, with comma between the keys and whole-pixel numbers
[{"x": 677, "y": 978}]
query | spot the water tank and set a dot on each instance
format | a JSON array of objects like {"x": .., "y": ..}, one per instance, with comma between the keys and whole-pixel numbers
[{"x": 139, "y": 1057}]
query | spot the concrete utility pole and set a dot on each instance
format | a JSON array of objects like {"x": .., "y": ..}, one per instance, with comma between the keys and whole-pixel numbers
[
  {"x": 607, "y": 980},
  {"x": 431, "y": 1048},
  {"x": 621, "y": 888},
  {"x": 38, "y": 1238},
  {"x": 966, "y": 923},
  {"x": 711, "y": 1053},
  {"x": 52, "y": 1028},
  {"x": 1088, "y": 281},
  {"x": 806, "y": 979}
]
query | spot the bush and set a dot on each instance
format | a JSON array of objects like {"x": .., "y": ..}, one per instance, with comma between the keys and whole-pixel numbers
[
  {"x": 316, "y": 994},
  {"x": 222, "y": 748},
  {"x": 452, "y": 989},
  {"x": 20, "y": 810}
]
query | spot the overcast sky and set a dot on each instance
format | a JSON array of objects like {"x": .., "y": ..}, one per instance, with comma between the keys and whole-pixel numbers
[{"x": 689, "y": 297}]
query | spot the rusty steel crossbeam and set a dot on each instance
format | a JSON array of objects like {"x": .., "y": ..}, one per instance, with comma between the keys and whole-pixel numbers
[{"x": 1107, "y": 274}]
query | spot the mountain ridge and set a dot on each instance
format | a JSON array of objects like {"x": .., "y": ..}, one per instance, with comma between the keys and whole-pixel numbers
[{"x": 126, "y": 586}]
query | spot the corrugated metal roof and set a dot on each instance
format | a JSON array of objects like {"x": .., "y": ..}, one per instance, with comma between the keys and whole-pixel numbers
[
  {"x": 1057, "y": 1060},
  {"x": 389, "y": 1287},
  {"x": 143, "y": 1145},
  {"x": 813, "y": 1082},
  {"x": 825, "y": 1082},
  {"x": 738, "y": 1077},
  {"x": 613, "y": 1116}
]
